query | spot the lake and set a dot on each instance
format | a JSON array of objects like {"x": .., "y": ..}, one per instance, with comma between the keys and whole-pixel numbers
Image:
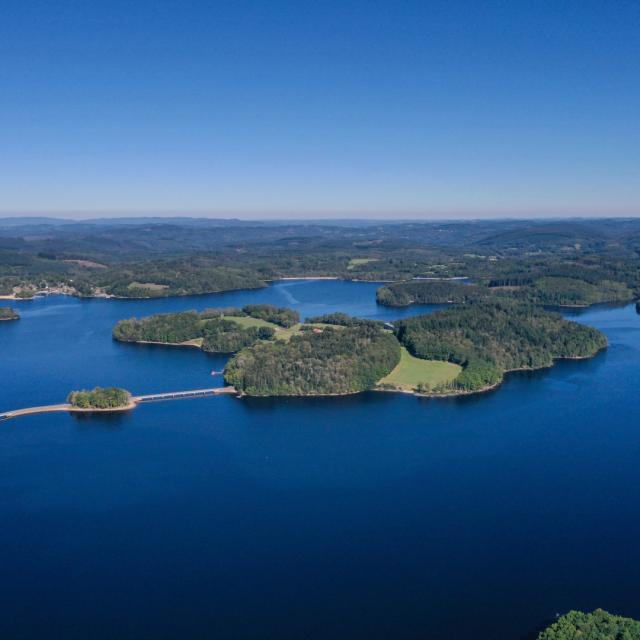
[{"x": 370, "y": 516}]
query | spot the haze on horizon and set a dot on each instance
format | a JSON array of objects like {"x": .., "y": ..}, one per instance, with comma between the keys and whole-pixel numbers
[{"x": 300, "y": 109}]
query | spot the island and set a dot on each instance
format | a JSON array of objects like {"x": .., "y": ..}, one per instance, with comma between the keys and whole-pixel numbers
[
  {"x": 599, "y": 625},
  {"x": 101, "y": 399},
  {"x": 7, "y": 313},
  {"x": 464, "y": 349},
  {"x": 467, "y": 348}
]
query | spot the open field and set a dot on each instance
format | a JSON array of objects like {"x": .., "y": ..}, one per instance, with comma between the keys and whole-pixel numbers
[
  {"x": 282, "y": 333},
  {"x": 355, "y": 262},
  {"x": 247, "y": 321},
  {"x": 412, "y": 371},
  {"x": 151, "y": 286}
]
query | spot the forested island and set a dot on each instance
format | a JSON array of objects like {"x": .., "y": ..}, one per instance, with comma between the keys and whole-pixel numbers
[
  {"x": 598, "y": 625},
  {"x": 7, "y": 313},
  {"x": 465, "y": 349},
  {"x": 101, "y": 399}
]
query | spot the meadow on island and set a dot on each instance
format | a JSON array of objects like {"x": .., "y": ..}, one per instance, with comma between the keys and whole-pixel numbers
[{"x": 467, "y": 348}]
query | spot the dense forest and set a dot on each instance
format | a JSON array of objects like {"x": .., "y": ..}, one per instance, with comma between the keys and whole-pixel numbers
[
  {"x": 100, "y": 398},
  {"x": 334, "y": 361},
  {"x": 339, "y": 319},
  {"x": 166, "y": 257},
  {"x": 165, "y": 327},
  {"x": 572, "y": 292},
  {"x": 598, "y": 625},
  {"x": 489, "y": 338},
  {"x": 221, "y": 330},
  {"x": 547, "y": 290},
  {"x": 7, "y": 313},
  {"x": 227, "y": 336},
  {"x": 165, "y": 278},
  {"x": 403, "y": 294}
]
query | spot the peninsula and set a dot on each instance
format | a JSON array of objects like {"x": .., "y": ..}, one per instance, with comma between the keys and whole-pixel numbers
[
  {"x": 553, "y": 291},
  {"x": 213, "y": 330}
]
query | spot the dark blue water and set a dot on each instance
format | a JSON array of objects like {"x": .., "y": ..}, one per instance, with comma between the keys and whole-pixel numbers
[{"x": 372, "y": 516}]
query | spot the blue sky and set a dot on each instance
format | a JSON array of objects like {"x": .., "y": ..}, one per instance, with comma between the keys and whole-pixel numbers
[{"x": 309, "y": 109}]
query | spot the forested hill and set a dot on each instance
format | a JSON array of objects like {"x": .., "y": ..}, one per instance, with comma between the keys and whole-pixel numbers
[
  {"x": 489, "y": 338},
  {"x": 164, "y": 278},
  {"x": 154, "y": 257},
  {"x": 335, "y": 361}
]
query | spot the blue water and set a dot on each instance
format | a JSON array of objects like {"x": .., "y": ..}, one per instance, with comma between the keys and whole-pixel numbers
[{"x": 372, "y": 516}]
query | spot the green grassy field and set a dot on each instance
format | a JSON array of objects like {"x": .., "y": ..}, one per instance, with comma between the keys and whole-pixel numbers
[
  {"x": 151, "y": 286},
  {"x": 248, "y": 321},
  {"x": 282, "y": 333},
  {"x": 356, "y": 262},
  {"x": 412, "y": 371}
]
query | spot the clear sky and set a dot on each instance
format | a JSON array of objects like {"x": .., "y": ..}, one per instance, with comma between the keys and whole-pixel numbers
[{"x": 294, "y": 109}]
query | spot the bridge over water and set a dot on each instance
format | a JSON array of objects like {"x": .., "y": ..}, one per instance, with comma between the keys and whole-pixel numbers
[
  {"x": 135, "y": 400},
  {"x": 178, "y": 395}
]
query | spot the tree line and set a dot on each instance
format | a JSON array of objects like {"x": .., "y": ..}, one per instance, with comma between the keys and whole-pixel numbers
[{"x": 548, "y": 291}]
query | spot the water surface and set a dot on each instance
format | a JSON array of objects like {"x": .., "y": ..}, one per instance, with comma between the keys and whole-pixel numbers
[{"x": 371, "y": 516}]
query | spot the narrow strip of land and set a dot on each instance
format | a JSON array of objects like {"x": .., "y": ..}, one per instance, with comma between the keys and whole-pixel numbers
[{"x": 135, "y": 400}]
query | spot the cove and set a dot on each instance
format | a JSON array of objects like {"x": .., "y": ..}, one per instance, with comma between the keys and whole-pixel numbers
[{"x": 369, "y": 516}]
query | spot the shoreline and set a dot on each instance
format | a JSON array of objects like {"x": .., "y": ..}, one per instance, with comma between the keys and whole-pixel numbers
[
  {"x": 187, "y": 343},
  {"x": 492, "y": 387}
]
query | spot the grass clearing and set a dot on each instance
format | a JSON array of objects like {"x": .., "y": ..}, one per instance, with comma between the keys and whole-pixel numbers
[
  {"x": 282, "y": 333},
  {"x": 356, "y": 262},
  {"x": 151, "y": 286},
  {"x": 285, "y": 334},
  {"x": 411, "y": 371},
  {"x": 247, "y": 321}
]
